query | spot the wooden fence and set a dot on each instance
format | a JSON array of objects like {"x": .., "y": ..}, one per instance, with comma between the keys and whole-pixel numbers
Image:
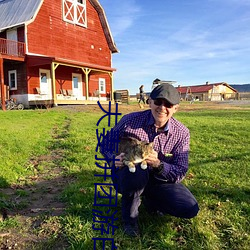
[{"x": 121, "y": 96}]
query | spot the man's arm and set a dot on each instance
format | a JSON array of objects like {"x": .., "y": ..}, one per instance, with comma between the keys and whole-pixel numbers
[{"x": 175, "y": 170}]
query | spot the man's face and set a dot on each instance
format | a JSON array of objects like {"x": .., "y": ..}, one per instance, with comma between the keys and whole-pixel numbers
[{"x": 162, "y": 111}]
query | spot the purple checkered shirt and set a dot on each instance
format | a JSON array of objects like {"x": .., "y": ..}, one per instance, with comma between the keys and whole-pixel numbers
[{"x": 172, "y": 145}]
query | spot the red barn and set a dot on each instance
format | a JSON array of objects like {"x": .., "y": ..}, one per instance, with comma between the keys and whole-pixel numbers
[{"x": 56, "y": 52}]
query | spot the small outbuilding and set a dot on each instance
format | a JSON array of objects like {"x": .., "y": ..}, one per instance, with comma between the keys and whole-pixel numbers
[{"x": 208, "y": 92}]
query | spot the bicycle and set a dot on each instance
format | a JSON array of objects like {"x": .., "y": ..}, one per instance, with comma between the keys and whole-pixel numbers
[{"x": 12, "y": 104}]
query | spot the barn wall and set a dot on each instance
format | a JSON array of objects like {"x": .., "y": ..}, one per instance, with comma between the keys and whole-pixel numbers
[
  {"x": 94, "y": 84},
  {"x": 21, "y": 77},
  {"x": 50, "y": 35},
  {"x": 33, "y": 79},
  {"x": 63, "y": 77}
]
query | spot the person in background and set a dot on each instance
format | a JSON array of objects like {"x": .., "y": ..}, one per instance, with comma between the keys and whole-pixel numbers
[
  {"x": 156, "y": 83},
  {"x": 142, "y": 97},
  {"x": 159, "y": 187}
]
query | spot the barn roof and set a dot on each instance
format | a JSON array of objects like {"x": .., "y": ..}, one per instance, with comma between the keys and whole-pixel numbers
[
  {"x": 105, "y": 25},
  {"x": 201, "y": 88},
  {"x": 18, "y": 12}
]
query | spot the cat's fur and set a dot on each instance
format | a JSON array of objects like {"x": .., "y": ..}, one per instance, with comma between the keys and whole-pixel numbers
[{"x": 135, "y": 152}]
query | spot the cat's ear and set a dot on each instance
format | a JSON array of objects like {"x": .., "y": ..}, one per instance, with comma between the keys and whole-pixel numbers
[{"x": 151, "y": 144}]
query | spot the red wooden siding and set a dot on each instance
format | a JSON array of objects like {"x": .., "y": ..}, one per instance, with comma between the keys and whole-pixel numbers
[
  {"x": 51, "y": 36},
  {"x": 64, "y": 78},
  {"x": 94, "y": 84},
  {"x": 33, "y": 78},
  {"x": 21, "y": 77}
]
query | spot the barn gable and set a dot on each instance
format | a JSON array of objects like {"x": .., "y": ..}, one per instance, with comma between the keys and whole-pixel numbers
[{"x": 19, "y": 12}]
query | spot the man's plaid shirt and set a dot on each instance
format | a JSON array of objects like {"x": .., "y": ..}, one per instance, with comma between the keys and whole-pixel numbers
[{"x": 172, "y": 144}]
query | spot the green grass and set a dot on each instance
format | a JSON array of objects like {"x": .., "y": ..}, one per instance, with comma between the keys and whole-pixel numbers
[
  {"x": 24, "y": 135},
  {"x": 218, "y": 176}
]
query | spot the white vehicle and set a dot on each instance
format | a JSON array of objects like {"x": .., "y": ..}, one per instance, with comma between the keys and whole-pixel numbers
[{"x": 157, "y": 82}]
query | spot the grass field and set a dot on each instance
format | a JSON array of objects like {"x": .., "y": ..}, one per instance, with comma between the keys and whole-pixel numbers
[{"x": 40, "y": 148}]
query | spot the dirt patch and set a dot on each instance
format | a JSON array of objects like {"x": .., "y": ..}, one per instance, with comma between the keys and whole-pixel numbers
[{"x": 122, "y": 108}]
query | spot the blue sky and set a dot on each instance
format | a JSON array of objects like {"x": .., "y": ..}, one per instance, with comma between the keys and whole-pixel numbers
[{"x": 188, "y": 41}]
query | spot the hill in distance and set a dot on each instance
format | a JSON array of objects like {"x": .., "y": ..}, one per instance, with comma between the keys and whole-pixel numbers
[{"x": 241, "y": 87}]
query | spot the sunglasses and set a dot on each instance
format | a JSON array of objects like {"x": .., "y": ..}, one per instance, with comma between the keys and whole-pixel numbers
[{"x": 159, "y": 102}]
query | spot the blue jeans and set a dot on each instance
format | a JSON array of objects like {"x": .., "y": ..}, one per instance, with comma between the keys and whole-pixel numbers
[{"x": 168, "y": 198}]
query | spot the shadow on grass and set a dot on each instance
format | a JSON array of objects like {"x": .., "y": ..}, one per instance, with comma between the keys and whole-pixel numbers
[{"x": 3, "y": 183}]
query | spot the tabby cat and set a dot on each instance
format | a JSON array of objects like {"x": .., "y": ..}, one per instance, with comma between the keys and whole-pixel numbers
[{"x": 135, "y": 152}]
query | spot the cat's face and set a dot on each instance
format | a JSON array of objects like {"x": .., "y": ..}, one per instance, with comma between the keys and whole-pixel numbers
[{"x": 146, "y": 148}]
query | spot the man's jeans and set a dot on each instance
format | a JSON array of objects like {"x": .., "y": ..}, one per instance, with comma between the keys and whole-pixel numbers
[{"x": 168, "y": 198}]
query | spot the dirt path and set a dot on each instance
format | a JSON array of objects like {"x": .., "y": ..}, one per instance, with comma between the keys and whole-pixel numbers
[
  {"x": 184, "y": 106},
  {"x": 33, "y": 205}
]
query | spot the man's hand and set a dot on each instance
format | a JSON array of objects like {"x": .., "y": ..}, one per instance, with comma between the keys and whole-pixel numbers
[
  {"x": 119, "y": 164},
  {"x": 153, "y": 160}
]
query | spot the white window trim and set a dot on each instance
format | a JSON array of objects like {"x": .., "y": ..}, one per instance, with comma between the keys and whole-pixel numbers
[
  {"x": 102, "y": 81},
  {"x": 78, "y": 16},
  {"x": 9, "y": 73}
]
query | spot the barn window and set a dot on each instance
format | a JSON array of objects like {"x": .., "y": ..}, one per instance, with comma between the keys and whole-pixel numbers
[
  {"x": 43, "y": 77},
  {"x": 12, "y": 80},
  {"x": 102, "y": 86},
  {"x": 74, "y": 11}
]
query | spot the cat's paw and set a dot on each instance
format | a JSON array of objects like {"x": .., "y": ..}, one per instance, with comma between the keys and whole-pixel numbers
[
  {"x": 132, "y": 170},
  {"x": 144, "y": 166}
]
